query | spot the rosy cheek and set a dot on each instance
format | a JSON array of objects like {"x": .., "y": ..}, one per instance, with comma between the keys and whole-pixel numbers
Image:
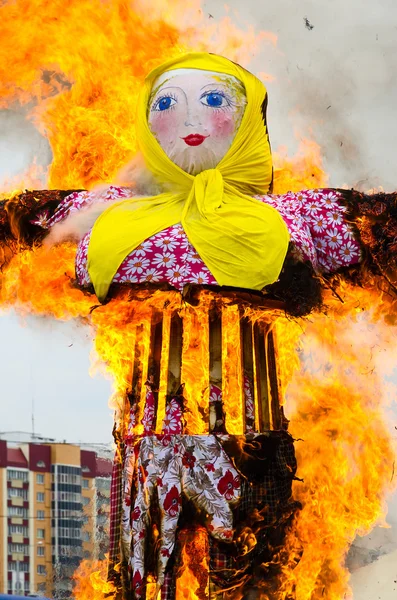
[
  {"x": 223, "y": 124},
  {"x": 164, "y": 127}
]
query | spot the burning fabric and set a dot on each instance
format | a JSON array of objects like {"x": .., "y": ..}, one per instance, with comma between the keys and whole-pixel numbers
[{"x": 200, "y": 275}]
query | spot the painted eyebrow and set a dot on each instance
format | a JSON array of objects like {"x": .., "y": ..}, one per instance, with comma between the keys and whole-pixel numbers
[
  {"x": 217, "y": 83},
  {"x": 169, "y": 87}
]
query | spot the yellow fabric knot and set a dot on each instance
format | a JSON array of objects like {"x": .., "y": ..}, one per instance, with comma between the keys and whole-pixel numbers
[
  {"x": 207, "y": 192},
  {"x": 242, "y": 241}
]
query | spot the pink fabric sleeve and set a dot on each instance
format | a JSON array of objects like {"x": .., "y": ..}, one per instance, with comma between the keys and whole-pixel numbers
[
  {"x": 318, "y": 228},
  {"x": 78, "y": 200}
]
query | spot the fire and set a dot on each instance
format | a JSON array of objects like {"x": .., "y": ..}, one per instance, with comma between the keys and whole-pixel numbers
[
  {"x": 345, "y": 453},
  {"x": 81, "y": 64},
  {"x": 195, "y": 369},
  {"x": 232, "y": 385},
  {"x": 90, "y": 581},
  {"x": 33, "y": 178},
  {"x": 303, "y": 172},
  {"x": 192, "y": 576}
]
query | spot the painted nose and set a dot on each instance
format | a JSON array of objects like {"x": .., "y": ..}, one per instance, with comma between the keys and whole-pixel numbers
[{"x": 192, "y": 119}]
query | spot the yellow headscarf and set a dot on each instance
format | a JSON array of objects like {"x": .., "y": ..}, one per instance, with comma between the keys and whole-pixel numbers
[{"x": 242, "y": 241}]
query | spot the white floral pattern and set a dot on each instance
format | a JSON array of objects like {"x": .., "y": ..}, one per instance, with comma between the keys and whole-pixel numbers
[
  {"x": 170, "y": 469},
  {"x": 171, "y": 464},
  {"x": 315, "y": 220},
  {"x": 318, "y": 228}
]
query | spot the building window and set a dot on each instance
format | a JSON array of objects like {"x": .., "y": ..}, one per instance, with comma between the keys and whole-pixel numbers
[
  {"x": 41, "y": 534},
  {"x": 86, "y": 536},
  {"x": 68, "y": 514},
  {"x": 68, "y": 497},
  {"x": 16, "y": 474},
  {"x": 18, "y": 566},
  {"x": 70, "y": 532},
  {"x": 18, "y": 529},
  {"x": 40, "y": 569},
  {"x": 70, "y": 478},
  {"x": 40, "y": 497},
  {"x": 18, "y": 549},
  {"x": 40, "y": 550},
  {"x": 85, "y": 500},
  {"x": 39, "y": 478},
  {"x": 86, "y": 484},
  {"x": 40, "y": 515},
  {"x": 17, "y": 511},
  {"x": 17, "y": 493}
]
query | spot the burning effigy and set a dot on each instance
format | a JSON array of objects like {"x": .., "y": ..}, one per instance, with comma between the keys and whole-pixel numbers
[{"x": 197, "y": 277}]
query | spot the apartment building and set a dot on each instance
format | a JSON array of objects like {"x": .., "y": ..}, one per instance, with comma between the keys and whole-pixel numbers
[{"x": 54, "y": 505}]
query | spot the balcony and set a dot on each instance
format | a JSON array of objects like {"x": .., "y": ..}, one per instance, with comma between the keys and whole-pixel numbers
[
  {"x": 18, "y": 557},
  {"x": 16, "y": 501},
  {"x": 16, "y": 483}
]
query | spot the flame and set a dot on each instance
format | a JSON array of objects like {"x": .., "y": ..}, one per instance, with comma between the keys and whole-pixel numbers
[
  {"x": 232, "y": 384},
  {"x": 345, "y": 453},
  {"x": 39, "y": 282},
  {"x": 303, "y": 172},
  {"x": 164, "y": 366},
  {"x": 81, "y": 63},
  {"x": 195, "y": 369},
  {"x": 90, "y": 581},
  {"x": 192, "y": 576},
  {"x": 34, "y": 178}
]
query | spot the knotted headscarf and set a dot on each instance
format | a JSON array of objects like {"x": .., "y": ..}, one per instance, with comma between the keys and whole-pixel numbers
[{"x": 242, "y": 241}]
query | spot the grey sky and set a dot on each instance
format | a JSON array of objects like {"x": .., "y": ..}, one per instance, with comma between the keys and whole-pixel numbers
[{"x": 46, "y": 364}]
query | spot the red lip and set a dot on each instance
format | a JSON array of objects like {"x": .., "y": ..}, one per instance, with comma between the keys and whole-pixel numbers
[{"x": 194, "y": 139}]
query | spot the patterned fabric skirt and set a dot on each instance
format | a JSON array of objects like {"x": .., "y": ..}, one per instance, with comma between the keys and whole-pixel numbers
[{"x": 221, "y": 500}]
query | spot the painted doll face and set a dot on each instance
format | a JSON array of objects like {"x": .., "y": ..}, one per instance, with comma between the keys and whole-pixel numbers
[{"x": 194, "y": 115}]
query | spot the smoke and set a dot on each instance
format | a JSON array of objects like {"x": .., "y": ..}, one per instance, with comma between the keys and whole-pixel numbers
[
  {"x": 134, "y": 175},
  {"x": 336, "y": 82},
  {"x": 76, "y": 225},
  {"x": 25, "y": 153}
]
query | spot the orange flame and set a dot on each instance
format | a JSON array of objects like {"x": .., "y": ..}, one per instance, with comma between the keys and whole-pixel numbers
[
  {"x": 82, "y": 63},
  {"x": 303, "y": 172},
  {"x": 195, "y": 369},
  {"x": 34, "y": 177},
  {"x": 90, "y": 581},
  {"x": 346, "y": 455},
  {"x": 232, "y": 384},
  {"x": 192, "y": 577}
]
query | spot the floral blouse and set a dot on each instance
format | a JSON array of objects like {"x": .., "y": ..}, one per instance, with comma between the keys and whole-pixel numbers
[{"x": 315, "y": 220}]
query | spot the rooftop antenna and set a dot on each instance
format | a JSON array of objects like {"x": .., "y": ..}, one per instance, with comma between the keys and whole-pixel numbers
[{"x": 32, "y": 406}]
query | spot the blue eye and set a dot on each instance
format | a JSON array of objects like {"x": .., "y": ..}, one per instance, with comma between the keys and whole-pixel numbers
[
  {"x": 164, "y": 103},
  {"x": 214, "y": 99}
]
